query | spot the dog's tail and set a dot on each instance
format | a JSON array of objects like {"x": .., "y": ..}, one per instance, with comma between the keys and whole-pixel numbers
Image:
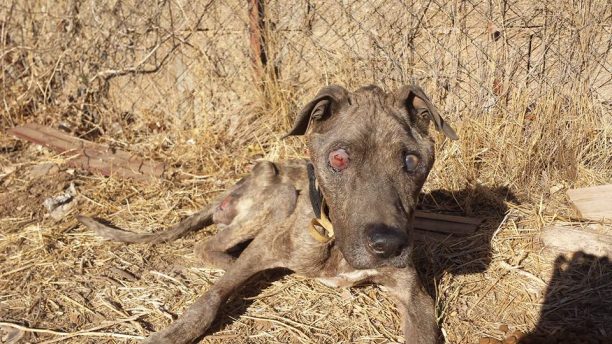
[{"x": 199, "y": 220}]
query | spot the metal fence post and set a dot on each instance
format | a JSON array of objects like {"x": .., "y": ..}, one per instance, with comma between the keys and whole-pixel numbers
[{"x": 259, "y": 56}]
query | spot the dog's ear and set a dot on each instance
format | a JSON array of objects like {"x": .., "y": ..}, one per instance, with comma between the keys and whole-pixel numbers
[
  {"x": 414, "y": 98},
  {"x": 328, "y": 101}
]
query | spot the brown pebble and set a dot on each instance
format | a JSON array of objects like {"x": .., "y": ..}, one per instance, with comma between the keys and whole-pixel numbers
[
  {"x": 42, "y": 170},
  {"x": 504, "y": 328},
  {"x": 510, "y": 340},
  {"x": 518, "y": 334}
]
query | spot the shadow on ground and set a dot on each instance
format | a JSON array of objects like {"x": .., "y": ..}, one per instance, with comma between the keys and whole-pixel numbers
[
  {"x": 462, "y": 255},
  {"x": 243, "y": 298},
  {"x": 578, "y": 303},
  {"x": 577, "y": 306}
]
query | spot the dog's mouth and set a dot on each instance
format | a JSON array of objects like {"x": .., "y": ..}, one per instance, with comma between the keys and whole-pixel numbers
[{"x": 360, "y": 254}]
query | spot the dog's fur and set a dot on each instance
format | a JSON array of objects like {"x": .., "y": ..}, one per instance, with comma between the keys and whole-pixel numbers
[{"x": 272, "y": 209}]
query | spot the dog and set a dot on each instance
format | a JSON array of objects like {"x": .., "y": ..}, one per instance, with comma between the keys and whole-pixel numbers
[{"x": 344, "y": 217}]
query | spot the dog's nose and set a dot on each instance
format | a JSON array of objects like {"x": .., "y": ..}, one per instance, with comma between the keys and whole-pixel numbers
[{"x": 385, "y": 241}]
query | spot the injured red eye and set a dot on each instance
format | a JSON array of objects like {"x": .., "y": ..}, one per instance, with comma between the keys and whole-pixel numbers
[{"x": 338, "y": 159}]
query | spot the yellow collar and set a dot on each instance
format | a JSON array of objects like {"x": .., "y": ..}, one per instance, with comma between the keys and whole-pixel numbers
[{"x": 321, "y": 229}]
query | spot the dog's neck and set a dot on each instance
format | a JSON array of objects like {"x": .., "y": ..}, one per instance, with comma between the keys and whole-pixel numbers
[{"x": 320, "y": 228}]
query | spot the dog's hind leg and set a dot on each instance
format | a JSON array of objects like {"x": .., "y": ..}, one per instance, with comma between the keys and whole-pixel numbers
[
  {"x": 196, "y": 320},
  {"x": 215, "y": 251},
  {"x": 194, "y": 222},
  {"x": 244, "y": 198},
  {"x": 269, "y": 225},
  {"x": 214, "y": 212},
  {"x": 257, "y": 209}
]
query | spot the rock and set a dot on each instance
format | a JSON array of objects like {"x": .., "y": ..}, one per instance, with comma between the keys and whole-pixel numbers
[
  {"x": 115, "y": 129},
  {"x": 58, "y": 206},
  {"x": 6, "y": 170},
  {"x": 514, "y": 338},
  {"x": 10, "y": 335},
  {"x": 42, "y": 170},
  {"x": 510, "y": 340},
  {"x": 518, "y": 334},
  {"x": 556, "y": 188}
]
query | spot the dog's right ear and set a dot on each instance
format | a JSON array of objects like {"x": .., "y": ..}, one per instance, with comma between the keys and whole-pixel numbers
[
  {"x": 417, "y": 102},
  {"x": 328, "y": 101}
]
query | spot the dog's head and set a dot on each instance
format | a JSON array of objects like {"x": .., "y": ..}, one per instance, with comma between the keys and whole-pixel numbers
[{"x": 372, "y": 153}]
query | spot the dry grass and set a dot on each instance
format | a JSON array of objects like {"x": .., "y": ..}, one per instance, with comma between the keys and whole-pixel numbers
[{"x": 547, "y": 130}]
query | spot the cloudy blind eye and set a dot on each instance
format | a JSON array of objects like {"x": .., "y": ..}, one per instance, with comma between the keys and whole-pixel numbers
[{"x": 411, "y": 162}]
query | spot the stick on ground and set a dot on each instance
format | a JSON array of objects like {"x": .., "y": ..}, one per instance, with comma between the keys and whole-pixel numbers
[{"x": 91, "y": 156}]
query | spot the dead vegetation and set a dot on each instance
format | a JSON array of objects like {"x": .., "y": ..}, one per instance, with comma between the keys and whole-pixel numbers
[{"x": 527, "y": 86}]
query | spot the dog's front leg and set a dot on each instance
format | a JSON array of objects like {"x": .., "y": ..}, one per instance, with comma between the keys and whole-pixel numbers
[
  {"x": 196, "y": 320},
  {"x": 414, "y": 303}
]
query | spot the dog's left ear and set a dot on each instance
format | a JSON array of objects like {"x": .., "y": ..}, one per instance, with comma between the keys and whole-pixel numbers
[
  {"x": 414, "y": 98},
  {"x": 328, "y": 101}
]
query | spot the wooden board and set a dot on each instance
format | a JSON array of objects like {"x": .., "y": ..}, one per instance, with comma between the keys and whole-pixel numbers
[
  {"x": 91, "y": 156},
  {"x": 593, "y": 203},
  {"x": 421, "y": 235},
  {"x": 446, "y": 224},
  {"x": 561, "y": 238}
]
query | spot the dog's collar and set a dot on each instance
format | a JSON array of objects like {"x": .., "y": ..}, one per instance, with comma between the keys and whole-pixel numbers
[{"x": 320, "y": 228}]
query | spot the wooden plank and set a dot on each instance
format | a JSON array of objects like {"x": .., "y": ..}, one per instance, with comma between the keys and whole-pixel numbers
[
  {"x": 449, "y": 218},
  {"x": 567, "y": 239},
  {"x": 91, "y": 156},
  {"x": 444, "y": 226},
  {"x": 593, "y": 203},
  {"x": 421, "y": 235},
  {"x": 448, "y": 224}
]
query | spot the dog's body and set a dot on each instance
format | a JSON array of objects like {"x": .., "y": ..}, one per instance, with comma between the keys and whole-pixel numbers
[{"x": 275, "y": 205}]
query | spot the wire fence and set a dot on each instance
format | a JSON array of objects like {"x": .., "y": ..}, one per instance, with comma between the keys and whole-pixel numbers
[{"x": 186, "y": 63}]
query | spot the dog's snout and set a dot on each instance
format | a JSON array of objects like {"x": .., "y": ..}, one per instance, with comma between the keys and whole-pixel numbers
[{"x": 385, "y": 241}]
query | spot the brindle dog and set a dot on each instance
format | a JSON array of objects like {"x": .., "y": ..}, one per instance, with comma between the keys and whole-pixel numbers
[{"x": 343, "y": 217}]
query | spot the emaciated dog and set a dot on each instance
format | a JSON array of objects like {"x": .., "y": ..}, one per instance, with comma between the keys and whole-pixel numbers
[{"x": 343, "y": 217}]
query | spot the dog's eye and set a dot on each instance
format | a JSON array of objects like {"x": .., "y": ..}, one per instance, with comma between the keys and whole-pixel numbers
[
  {"x": 338, "y": 159},
  {"x": 412, "y": 162}
]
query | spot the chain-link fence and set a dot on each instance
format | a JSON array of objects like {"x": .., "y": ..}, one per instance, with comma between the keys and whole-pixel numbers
[{"x": 187, "y": 63}]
